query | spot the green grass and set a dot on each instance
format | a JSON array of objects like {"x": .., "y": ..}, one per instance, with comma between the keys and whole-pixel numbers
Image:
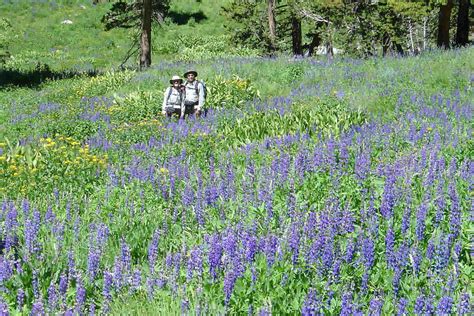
[{"x": 84, "y": 45}]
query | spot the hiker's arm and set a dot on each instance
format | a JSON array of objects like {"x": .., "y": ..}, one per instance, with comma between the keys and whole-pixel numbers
[
  {"x": 165, "y": 96},
  {"x": 201, "y": 97}
]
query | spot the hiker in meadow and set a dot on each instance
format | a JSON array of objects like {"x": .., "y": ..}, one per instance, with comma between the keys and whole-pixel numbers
[
  {"x": 173, "y": 102},
  {"x": 195, "y": 93}
]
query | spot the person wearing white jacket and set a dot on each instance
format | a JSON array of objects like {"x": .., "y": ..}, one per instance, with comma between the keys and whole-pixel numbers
[{"x": 173, "y": 101}]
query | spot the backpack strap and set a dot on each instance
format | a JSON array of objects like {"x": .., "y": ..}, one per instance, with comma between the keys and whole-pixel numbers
[
  {"x": 196, "y": 86},
  {"x": 169, "y": 94}
]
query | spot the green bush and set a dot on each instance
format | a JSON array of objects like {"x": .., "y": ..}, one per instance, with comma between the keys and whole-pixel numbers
[
  {"x": 35, "y": 169},
  {"x": 228, "y": 93}
]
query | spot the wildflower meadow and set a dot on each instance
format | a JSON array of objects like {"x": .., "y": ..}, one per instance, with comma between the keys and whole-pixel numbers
[{"x": 313, "y": 186}]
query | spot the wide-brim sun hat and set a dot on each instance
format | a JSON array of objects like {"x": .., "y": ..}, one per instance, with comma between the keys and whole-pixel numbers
[
  {"x": 174, "y": 78},
  {"x": 194, "y": 72}
]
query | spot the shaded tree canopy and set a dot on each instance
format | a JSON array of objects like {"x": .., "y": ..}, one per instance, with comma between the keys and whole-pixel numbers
[
  {"x": 357, "y": 27},
  {"x": 128, "y": 14}
]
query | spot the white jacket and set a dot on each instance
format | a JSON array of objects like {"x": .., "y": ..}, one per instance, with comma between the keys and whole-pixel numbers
[{"x": 175, "y": 100}]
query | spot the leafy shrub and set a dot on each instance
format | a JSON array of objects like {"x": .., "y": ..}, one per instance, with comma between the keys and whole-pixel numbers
[
  {"x": 100, "y": 85},
  {"x": 191, "y": 48},
  {"x": 136, "y": 106},
  {"x": 327, "y": 116},
  {"x": 294, "y": 72},
  {"x": 53, "y": 163},
  {"x": 234, "y": 92},
  {"x": 6, "y": 37}
]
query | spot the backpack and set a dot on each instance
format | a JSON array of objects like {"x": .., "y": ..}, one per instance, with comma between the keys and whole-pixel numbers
[{"x": 204, "y": 88}]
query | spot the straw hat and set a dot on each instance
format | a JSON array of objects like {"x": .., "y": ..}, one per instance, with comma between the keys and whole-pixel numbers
[{"x": 174, "y": 78}]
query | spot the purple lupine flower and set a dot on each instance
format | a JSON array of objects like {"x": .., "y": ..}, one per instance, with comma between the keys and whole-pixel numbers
[
  {"x": 102, "y": 235},
  {"x": 250, "y": 245},
  {"x": 107, "y": 290},
  {"x": 294, "y": 241},
  {"x": 229, "y": 281},
  {"x": 93, "y": 261},
  {"x": 188, "y": 195},
  {"x": 310, "y": 225},
  {"x": 153, "y": 251},
  {"x": 406, "y": 219},
  {"x": 430, "y": 250},
  {"x": 346, "y": 307},
  {"x": 92, "y": 309},
  {"x": 52, "y": 297},
  {"x": 80, "y": 294},
  {"x": 49, "y": 216},
  {"x": 368, "y": 252},
  {"x": 264, "y": 312},
  {"x": 184, "y": 306},
  {"x": 20, "y": 299},
  {"x": 6, "y": 269},
  {"x": 455, "y": 211},
  {"x": 445, "y": 306},
  {"x": 71, "y": 265},
  {"x": 270, "y": 248},
  {"x": 150, "y": 287},
  {"x": 229, "y": 243},
  {"x": 388, "y": 198},
  {"x": 465, "y": 306},
  {"x": 311, "y": 304},
  {"x": 3, "y": 308},
  {"x": 194, "y": 263},
  {"x": 25, "y": 205},
  {"x": 63, "y": 284},
  {"x": 402, "y": 307},
  {"x": 362, "y": 164},
  {"x": 118, "y": 274},
  {"x": 443, "y": 253},
  {"x": 35, "y": 284},
  {"x": 429, "y": 306},
  {"x": 417, "y": 258},
  {"x": 419, "y": 305},
  {"x": 328, "y": 253},
  {"x": 396, "y": 280},
  {"x": 375, "y": 306},
  {"x": 350, "y": 251},
  {"x": 37, "y": 308},
  {"x": 125, "y": 258},
  {"x": 420, "y": 221},
  {"x": 214, "y": 255},
  {"x": 136, "y": 280}
]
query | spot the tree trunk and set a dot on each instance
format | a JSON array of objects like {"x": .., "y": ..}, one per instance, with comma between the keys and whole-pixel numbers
[
  {"x": 271, "y": 23},
  {"x": 462, "y": 30},
  {"x": 296, "y": 36},
  {"x": 145, "y": 42},
  {"x": 385, "y": 44},
  {"x": 315, "y": 42},
  {"x": 444, "y": 20}
]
